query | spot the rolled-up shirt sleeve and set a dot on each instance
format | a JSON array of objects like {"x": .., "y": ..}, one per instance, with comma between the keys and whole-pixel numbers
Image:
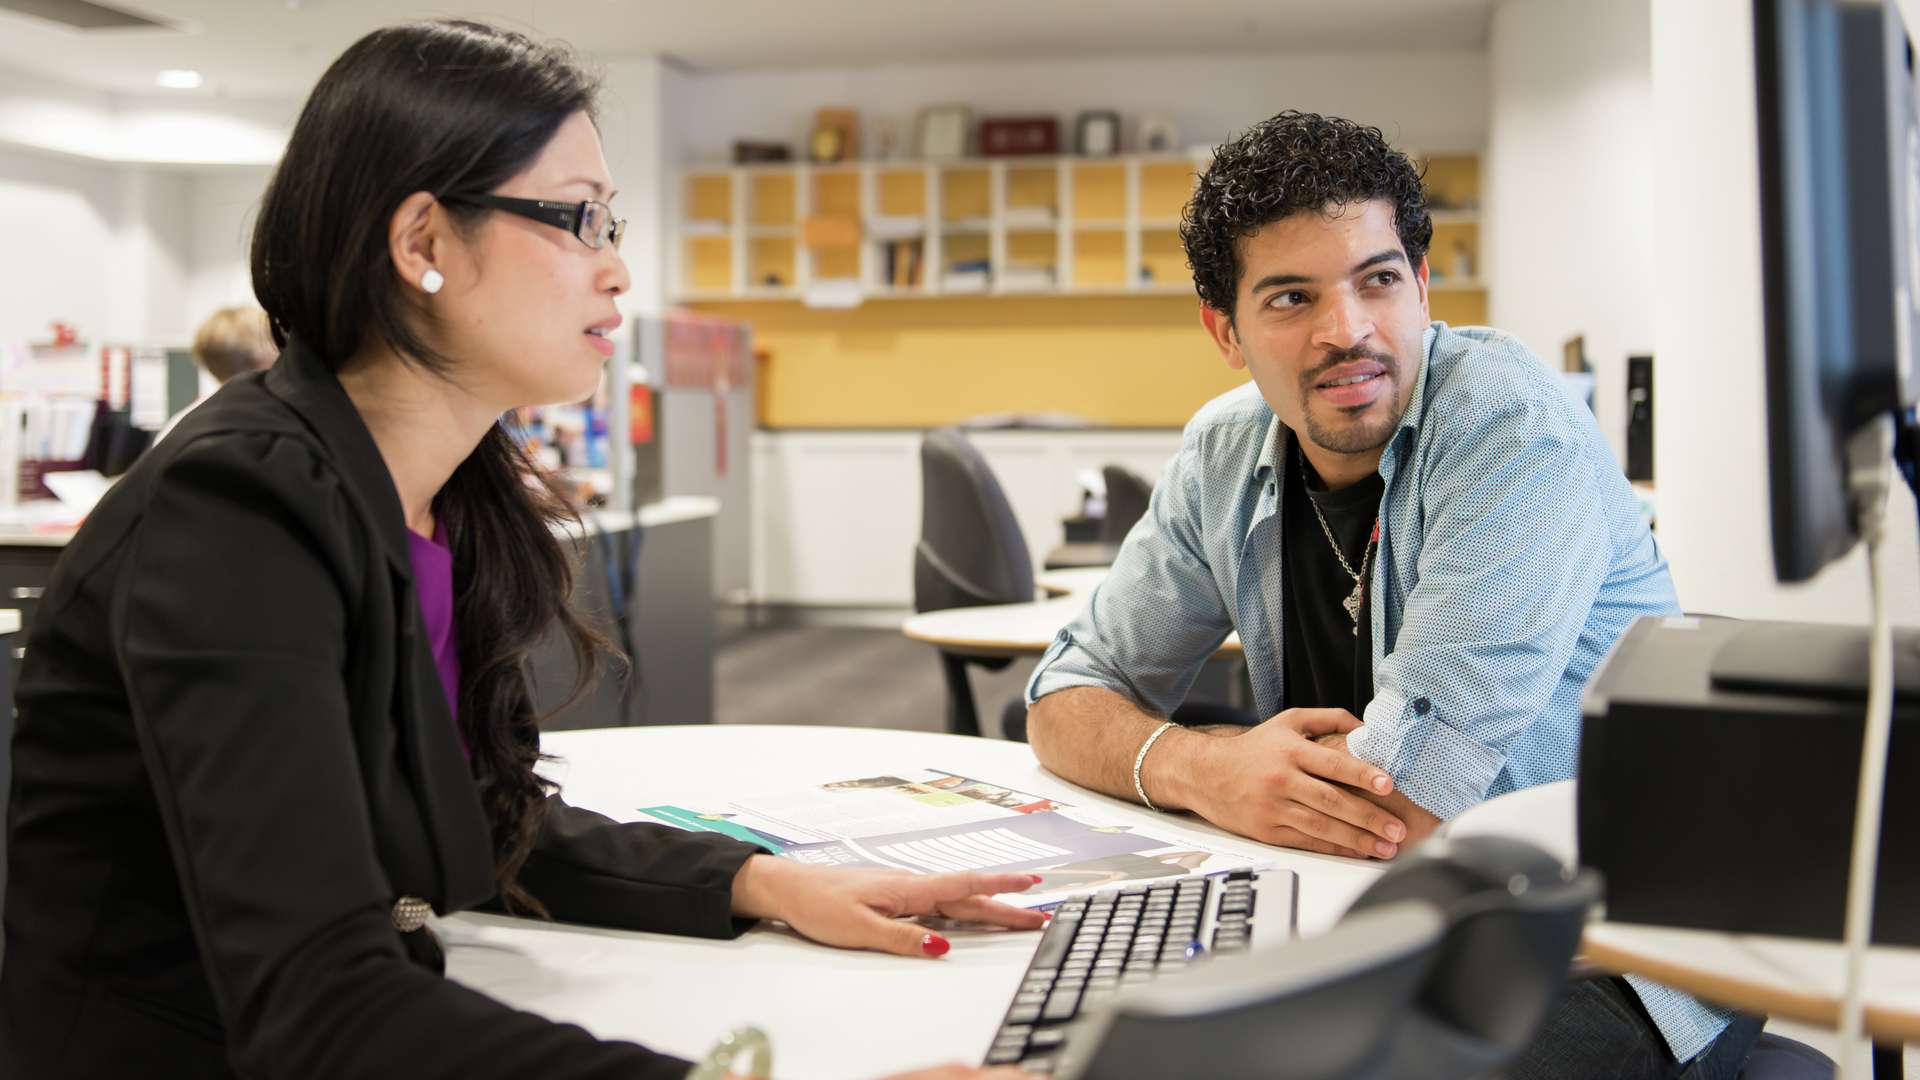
[
  {"x": 1150, "y": 626},
  {"x": 1515, "y": 551}
]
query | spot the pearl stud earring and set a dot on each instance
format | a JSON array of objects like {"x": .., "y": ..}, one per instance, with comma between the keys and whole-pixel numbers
[{"x": 431, "y": 281}]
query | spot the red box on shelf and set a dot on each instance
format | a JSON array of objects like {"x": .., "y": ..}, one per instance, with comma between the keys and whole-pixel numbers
[{"x": 1020, "y": 135}]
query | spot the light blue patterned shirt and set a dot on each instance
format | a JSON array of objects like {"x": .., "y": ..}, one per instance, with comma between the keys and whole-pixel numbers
[{"x": 1512, "y": 555}]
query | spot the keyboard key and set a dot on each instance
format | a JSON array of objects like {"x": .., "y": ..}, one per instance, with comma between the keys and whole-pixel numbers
[
  {"x": 1001, "y": 1055},
  {"x": 1048, "y": 1038},
  {"x": 1023, "y": 1014},
  {"x": 1062, "y": 1005},
  {"x": 1053, "y": 945}
]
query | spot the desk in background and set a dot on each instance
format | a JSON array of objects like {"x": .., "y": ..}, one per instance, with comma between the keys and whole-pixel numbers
[
  {"x": 831, "y": 1013},
  {"x": 669, "y": 604},
  {"x": 1074, "y": 582},
  {"x": 1012, "y": 629},
  {"x": 9, "y": 635}
]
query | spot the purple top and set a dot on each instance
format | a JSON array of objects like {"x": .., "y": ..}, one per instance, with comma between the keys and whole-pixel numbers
[{"x": 433, "y": 581}]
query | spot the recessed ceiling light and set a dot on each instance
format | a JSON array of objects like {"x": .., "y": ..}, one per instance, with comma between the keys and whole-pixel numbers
[{"x": 179, "y": 79}]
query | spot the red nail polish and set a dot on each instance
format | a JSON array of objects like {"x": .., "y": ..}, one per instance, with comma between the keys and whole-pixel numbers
[
  {"x": 934, "y": 945},
  {"x": 1037, "y": 879}
]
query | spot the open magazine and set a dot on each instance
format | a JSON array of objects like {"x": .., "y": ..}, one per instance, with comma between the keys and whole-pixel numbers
[{"x": 930, "y": 821}]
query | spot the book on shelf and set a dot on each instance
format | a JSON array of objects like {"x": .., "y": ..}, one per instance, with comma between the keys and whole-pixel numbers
[
  {"x": 902, "y": 263},
  {"x": 971, "y": 275}
]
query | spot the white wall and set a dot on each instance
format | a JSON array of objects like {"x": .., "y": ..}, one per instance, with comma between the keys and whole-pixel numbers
[
  {"x": 1709, "y": 399},
  {"x": 155, "y": 236},
  {"x": 632, "y": 131},
  {"x": 1428, "y": 100},
  {"x": 1567, "y": 240},
  {"x": 56, "y": 227},
  {"x": 101, "y": 246},
  {"x": 40, "y": 114},
  {"x": 224, "y": 205}
]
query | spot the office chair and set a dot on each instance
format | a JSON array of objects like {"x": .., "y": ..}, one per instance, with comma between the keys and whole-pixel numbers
[
  {"x": 1322, "y": 1008},
  {"x": 1127, "y": 496},
  {"x": 970, "y": 554}
]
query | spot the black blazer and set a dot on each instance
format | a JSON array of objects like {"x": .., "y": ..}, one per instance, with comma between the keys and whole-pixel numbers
[{"x": 233, "y": 754}]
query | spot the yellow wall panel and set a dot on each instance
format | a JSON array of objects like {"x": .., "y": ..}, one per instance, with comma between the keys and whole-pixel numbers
[{"x": 1122, "y": 361}]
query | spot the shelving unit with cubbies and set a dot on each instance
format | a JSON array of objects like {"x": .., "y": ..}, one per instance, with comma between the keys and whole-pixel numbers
[
  {"x": 1042, "y": 226},
  {"x": 1456, "y": 276}
]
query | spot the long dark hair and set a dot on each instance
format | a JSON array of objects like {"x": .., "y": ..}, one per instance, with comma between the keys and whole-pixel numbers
[{"x": 447, "y": 107}]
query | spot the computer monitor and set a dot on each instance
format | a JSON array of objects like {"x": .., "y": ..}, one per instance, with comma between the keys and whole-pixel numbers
[{"x": 1840, "y": 209}]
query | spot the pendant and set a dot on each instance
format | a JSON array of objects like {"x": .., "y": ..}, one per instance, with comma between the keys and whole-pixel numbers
[{"x": 1352, "y": 603}]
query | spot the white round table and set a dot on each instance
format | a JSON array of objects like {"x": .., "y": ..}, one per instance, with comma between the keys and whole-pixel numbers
[
  {"x": 831, "y": 1013},
  {"x": 1010, "y": 629},
  {"x": 1074, "y": 582}
]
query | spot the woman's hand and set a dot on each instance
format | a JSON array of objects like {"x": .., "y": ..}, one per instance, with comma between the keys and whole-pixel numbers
[{"x": 861, "y": 909}]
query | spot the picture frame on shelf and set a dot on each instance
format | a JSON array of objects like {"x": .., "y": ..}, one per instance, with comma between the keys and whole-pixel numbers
[
  {"x": 941, "y": 132},
  {"x": 1008, "y": 136},
  {"x": 885, "y": 138},
  {"x": 1158, "y": 133},
  {"x": 1097, "y": 133}
]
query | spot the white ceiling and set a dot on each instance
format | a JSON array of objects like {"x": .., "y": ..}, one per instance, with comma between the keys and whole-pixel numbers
[{"x": 275, "y": 48}]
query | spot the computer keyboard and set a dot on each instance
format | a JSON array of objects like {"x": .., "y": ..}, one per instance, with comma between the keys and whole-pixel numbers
[{"x": 1099, "y": 943}]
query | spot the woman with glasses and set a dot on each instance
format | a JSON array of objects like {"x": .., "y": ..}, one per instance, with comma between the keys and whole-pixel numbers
[{"x": 274, "y": 711}]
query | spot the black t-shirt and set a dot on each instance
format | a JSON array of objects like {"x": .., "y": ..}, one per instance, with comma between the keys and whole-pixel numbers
[{"x": 1327, "y": 664}]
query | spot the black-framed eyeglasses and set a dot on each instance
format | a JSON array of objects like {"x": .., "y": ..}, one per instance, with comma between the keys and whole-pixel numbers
[{"x": 593, "y": 222}]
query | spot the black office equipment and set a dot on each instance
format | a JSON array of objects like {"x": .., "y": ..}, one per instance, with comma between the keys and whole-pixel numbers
[
  {"x": 1718, "y": 766},
  {"x": 1840, "y": 240},
  {"x": 1513, "y": 916},
  {"x": 1640, "y": 418}
]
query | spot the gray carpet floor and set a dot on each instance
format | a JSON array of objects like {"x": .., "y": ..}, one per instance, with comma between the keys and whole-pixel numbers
[{"x": 847, "y": 677}]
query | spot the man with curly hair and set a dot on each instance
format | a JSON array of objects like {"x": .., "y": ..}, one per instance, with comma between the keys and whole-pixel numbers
[{"x": 1422, "y": 539}]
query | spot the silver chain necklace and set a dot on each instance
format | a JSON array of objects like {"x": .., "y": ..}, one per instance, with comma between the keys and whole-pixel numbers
[{"x": 1359, "y": 594}]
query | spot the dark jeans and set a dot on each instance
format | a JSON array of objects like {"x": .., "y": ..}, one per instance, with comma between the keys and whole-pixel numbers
[{"x": 1599, "y": 1028}]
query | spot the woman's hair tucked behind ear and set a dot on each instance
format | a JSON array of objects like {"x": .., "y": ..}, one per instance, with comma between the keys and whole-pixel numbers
[{"x": 448, "y": 108}]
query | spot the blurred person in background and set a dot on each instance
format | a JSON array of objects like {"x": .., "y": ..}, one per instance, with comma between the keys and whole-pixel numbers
[{"x": 233, "y": 341}]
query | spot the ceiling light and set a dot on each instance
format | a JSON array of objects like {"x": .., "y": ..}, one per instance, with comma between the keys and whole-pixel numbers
[{"x": 179, "y": 79}]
